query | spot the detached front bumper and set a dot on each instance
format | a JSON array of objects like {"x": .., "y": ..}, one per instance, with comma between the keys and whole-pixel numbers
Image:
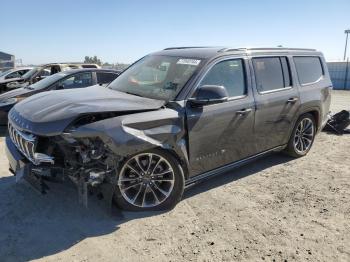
[{"x": 17, "y": 161}]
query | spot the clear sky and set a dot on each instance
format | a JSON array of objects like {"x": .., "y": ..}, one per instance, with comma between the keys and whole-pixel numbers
[{"x": 44, "y": 31}]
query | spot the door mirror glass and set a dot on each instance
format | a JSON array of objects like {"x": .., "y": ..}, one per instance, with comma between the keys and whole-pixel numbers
[{"x": 209, "y": 94}]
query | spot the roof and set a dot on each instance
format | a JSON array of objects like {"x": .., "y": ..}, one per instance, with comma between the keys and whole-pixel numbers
[
  {"x": 23, "y": 68},
  {"x": 19, "y": 68},
  {"x": 71, "y": 71},
  {"x": 341, "y": 62},
  {"x": 68, "y": 63},
  {"x": 191, "y": 52},
  {"x": 209, "y": 52}
]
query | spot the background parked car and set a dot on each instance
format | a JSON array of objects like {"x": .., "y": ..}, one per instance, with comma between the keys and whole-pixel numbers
[
  {"x": 40, "y": 72},
  {"x": 75, "y": 78},
  {"x": 12, "y": 75}
]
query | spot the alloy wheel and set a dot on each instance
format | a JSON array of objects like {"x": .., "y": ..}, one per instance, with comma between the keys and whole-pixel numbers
[
  {"x": 146, "y": 180},
  {"x": 304, "y": 135}
]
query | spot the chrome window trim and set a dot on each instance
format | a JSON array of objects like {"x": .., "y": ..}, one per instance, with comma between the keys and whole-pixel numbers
[
  {"x": 276, "y": 90},
  {"x": 312, "y": 83}
]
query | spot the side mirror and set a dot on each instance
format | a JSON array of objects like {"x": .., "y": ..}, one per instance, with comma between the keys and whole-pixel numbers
[{"x": 209, "y": 94}]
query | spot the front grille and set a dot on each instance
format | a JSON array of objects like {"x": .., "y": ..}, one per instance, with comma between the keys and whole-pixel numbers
[{"x": 24, "y": 142}]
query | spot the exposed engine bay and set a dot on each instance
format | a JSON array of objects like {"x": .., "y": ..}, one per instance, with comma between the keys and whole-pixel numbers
[{"x": 88, "y": 163}]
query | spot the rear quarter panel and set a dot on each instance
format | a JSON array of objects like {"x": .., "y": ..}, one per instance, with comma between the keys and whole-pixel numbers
[{"x": 316, "y": 96}]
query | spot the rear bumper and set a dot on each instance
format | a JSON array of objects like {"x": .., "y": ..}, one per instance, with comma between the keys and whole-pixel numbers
[{"x": 324, "y": 122}]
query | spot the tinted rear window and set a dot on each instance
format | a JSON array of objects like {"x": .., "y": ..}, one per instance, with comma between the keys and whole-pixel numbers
[
  {"x": 309, "y": 69},
  {"x": 105, "y": 78},
  {"x": 271, "y": 73}
]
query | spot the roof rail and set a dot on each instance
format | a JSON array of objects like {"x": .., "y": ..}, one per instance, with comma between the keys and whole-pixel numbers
[
  {"x": 226, "y": 49},
  {"x": 185, "y": 47},
  {"x": 265, "y": 49}
]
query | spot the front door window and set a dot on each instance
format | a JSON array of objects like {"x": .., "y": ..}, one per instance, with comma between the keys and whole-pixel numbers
[
  {"x": 229, "y": 74},
  {"x": 79, "y": 80}
]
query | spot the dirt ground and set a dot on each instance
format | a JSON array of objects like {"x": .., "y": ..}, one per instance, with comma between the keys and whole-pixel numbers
[{"x": 275, "y": 209}]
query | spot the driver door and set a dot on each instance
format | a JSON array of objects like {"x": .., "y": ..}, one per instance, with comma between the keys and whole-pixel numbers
[{"x": 222, "y": 133}]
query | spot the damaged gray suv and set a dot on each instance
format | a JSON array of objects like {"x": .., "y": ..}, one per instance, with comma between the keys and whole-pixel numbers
[{"x": 173, "y": 118}]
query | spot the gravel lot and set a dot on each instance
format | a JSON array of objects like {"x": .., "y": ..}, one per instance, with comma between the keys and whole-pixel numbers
[{"x": 277, "y": 208}]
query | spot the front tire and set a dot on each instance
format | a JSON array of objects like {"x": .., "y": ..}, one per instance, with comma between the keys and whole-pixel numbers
[
  {"x": 302, "y": 137},
  {"x": 151, "y": 180}
]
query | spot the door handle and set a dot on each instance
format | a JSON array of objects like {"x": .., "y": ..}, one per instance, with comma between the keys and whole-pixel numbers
[
  {"x": 244, "y": 111},
  {"x": 292, "y": 100}
]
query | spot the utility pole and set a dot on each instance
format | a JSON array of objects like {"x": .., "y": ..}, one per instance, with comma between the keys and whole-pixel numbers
[{"x": 347, "y": 32}]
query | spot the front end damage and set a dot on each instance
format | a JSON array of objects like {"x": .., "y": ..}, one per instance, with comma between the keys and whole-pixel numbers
[
  {"x": 91, "y": 150},
  {"x": 87, "y": 162}
]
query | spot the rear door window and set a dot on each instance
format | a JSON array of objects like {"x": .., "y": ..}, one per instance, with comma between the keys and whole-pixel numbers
[
  {"x": 105, "y": 77},
  {"x": 22, "y": 72},
  {"x": 309, "y": 69},
  {"x": 271, "y": 73}
]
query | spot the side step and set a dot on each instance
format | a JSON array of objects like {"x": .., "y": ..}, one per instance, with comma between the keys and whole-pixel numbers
[{"x": 196, "y": 179}]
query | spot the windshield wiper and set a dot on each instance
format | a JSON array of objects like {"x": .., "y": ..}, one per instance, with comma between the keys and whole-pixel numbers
[{"x": 132, "y": 94}]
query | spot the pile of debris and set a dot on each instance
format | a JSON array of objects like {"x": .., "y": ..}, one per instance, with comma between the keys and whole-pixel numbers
[{"x": 338, "y": 123}]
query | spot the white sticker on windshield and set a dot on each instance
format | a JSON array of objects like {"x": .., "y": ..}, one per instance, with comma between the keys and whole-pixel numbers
[{"x": 187, "y": 61}]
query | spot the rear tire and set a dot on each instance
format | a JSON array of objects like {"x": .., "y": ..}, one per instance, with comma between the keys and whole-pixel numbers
[
  {"x": 302, "y": 137},
  {"x": 152, "y": 180}
]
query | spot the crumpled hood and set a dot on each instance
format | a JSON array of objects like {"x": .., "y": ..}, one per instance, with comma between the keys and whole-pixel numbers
[
  {"x": 15, "y": 93},
  {"x": 60, "y": 108}
]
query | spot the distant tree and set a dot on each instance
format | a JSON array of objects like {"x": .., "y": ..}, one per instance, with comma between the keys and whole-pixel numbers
[
  {"x": 120, "y": 66},
  {"x": 92, "y": 60},
  {"x": 96, "y": 60}
]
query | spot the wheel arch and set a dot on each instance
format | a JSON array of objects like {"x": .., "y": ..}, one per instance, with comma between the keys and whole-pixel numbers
[
  {"x": 315, "y": 112},
  {"x": 182, "y": 162}
]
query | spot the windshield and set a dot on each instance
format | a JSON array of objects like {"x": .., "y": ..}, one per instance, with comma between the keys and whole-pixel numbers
[
  {"x": 47, "y": 81},
  {"x": 5, "y": 72},
  {"x": 157, "y": 77}
]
